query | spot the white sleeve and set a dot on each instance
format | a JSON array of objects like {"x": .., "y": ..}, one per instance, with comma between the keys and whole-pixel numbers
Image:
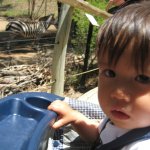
[{"x": 139, "y": 145}]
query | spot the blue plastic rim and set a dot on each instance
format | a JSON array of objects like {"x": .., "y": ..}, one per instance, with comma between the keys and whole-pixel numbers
[{"x": 25, "y": 121}]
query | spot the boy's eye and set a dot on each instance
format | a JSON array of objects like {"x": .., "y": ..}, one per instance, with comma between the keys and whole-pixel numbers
[
  {"x": 143, "y": 79},
  {"x": 109, "y": 73}
]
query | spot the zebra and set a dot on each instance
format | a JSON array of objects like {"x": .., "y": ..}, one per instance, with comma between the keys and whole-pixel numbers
[{"x": 30, "y": 29}]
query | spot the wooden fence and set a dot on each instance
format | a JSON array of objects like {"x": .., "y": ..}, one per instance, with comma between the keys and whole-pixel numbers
[{"x": 58, "y": 69}]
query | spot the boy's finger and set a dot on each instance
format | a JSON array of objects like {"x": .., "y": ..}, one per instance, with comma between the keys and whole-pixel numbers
[
  {"x": 54, "y": 105},
  {"x": 58, "y": 124}
]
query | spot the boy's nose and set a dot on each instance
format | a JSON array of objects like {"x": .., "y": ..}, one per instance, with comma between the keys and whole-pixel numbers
[{"x": 120, "y": 94}]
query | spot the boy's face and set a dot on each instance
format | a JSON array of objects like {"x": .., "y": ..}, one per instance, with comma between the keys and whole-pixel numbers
[{"x": 124, "y": 93}]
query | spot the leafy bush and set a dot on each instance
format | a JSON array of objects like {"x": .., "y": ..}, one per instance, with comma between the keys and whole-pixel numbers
[{"x": 80, "y": 27}]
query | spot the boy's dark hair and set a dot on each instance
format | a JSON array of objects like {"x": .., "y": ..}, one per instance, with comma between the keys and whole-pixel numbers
[{"x": 129, "y": 28}]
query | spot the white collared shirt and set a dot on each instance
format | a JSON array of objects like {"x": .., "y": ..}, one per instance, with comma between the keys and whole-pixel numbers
[{"x": 111, "y": 132}]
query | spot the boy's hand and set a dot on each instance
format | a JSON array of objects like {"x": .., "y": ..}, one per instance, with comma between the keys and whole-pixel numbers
[
  {"x": 65, "y": 113},
  {"x": 86, "y": 128}
]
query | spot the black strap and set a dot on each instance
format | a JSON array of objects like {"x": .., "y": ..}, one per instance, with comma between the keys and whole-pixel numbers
[{"x": 129, "y": 137}]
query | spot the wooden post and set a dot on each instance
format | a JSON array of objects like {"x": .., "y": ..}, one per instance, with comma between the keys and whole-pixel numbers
[{"x": 58, "y": 64}]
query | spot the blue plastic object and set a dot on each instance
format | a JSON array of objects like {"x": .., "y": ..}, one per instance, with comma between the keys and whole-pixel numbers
[{"x": 25, "y": 121}]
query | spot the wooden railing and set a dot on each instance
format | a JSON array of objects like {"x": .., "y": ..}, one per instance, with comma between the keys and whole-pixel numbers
[{"x": 88, "y": 8}]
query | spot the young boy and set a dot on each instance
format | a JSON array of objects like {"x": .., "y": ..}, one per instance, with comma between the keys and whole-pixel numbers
[{"x": 123, "y": 51}]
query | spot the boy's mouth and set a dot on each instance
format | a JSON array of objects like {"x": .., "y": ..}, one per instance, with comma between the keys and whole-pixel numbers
[{"x": 119, "y": 115}]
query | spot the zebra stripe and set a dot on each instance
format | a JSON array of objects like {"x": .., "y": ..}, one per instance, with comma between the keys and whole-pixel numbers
[{"x": 30, "y": 30}]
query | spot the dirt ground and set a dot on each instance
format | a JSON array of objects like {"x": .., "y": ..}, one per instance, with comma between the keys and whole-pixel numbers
[
  {"x": 18, "y": 70},
  {"x": 3, "y": 24}
]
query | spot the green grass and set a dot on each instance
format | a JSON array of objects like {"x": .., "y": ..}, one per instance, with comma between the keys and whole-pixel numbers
[{"x": 99, "y": 3}]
